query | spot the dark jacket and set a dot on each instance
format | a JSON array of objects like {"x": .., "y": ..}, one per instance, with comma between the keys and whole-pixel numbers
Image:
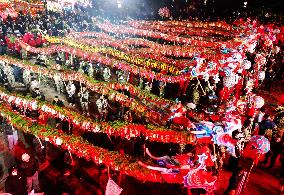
[
  {"x": 29, "y": 168},
  {"x": 67, "y": 183},
  {"x": 15, "y": 185},
  {"x": 58, "y": 103},
  {"x": 234, "y": 181},
  {"x": 8, "y": 128}
]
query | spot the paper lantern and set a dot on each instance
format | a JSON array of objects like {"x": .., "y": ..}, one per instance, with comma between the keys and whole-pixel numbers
[
  {"x": 260, "y": 143},
  {"x": 259, "y": 101}
]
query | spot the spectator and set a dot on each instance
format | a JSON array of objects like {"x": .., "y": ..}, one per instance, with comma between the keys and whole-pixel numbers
[
  {"x": 71, "y": 89},
  {"x": 12, "y": 135},
  {"x": 276, "y": 147},
  {"x": 15, "y": 184},
  {"x": 29, "y": 167},
  {"x": 38, "y": 94},
  {"x": 66, "y": 182},
  {"x": 259, "y": 116},
  {"x": 56, "y": 101},
  {"x": 268, "y": 78},
  {"x": 84, "y": 100},
  {"x": 266, "y": 124},
  {"x": 248, "y": 127}
]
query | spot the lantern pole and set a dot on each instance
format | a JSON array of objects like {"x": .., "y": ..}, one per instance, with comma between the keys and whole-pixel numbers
[{"x": 246, "y": 178}]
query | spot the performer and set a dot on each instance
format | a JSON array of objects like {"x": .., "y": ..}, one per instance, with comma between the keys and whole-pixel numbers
[
  {"x": 148, "y": 86},
  {"x": 71, "y": 89},
  {"x": 91, "y": 70},
  {"x": 162, "y": 86},
  {"x": 34, "y": 84},
  {"x": 106, "y": 74},
  {"x": 179, "y": 116},
  {"x": 38, "y": 94},
  {"x": 102, "y": 105},
  {"x": 84, "y": 100},
  {"x": 59, "y": 83},
  {"x": 56, "y": 101}
]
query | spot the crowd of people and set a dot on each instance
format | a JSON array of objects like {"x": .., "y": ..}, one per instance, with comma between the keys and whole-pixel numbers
[{"x": 199, "y": 96}]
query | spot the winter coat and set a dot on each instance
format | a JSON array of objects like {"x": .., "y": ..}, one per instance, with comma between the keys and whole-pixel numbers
[
  {"x": 15, "y": 185},
  {"x": 29, "y": 168}
]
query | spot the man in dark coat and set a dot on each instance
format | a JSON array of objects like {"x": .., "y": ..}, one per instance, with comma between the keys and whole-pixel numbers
[
  {"x": 15, "y": 184},
  {"x": 29, "y": 167},
  {"x": 67, "y": 182}
]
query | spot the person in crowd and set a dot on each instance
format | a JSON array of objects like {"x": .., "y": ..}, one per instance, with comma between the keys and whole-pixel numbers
[
  {"x": 234, "y": 159},
  {"x": 276, "y": 147},
  {"x": 128, "y": 116},
  {"x": 15, "y": 183},
  {"x": 102, "y": 105},
  {"x": 38, "y": 94},
  {"x": 248, "y": 127},
  {"x": 3, "y": 46},
  {"x": 106, "y": 74},
  {"x": 102, "y": 177},
  {"x": 66, "y": 182},
  {"x": 266, "y": 124},
  {"x": 71, "y": 90},
  {"x": 40, "y": 149},
  {"x": 29, "y": 167},
  {"x": 12, "y": 134},
  {"x": 259, "y": 116},
  {"x": 268, "y": 78},
  {"x": 56, "y": 101},
  {"x": 251, "y": 110},
  {"x": 84, "y": 100},
  {"x": 34, "y": 84},
  {"x": 178, "y": 117}
]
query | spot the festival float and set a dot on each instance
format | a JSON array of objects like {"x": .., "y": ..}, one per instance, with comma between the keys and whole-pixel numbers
[{"x": 202, "y": 56}]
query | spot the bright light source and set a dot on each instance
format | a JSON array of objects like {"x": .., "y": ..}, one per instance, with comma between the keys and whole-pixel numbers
[
  {"x": 119, "y": 3},
  {"x": 245, "y": 4}
]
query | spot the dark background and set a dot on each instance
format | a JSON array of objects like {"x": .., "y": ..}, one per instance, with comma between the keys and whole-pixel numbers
[{"x": 183, "y": 9}]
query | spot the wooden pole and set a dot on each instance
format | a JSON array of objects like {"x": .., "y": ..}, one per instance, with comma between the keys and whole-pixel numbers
[
  {"x": 198, "y": 83},
  {"x": 39, "y": 142},
  {"x": 72, "y": 161},
  {"x": 245, "y": 179}
]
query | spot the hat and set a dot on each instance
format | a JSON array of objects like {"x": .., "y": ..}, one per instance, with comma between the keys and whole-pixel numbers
[{"x": 25, "y": 157}]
